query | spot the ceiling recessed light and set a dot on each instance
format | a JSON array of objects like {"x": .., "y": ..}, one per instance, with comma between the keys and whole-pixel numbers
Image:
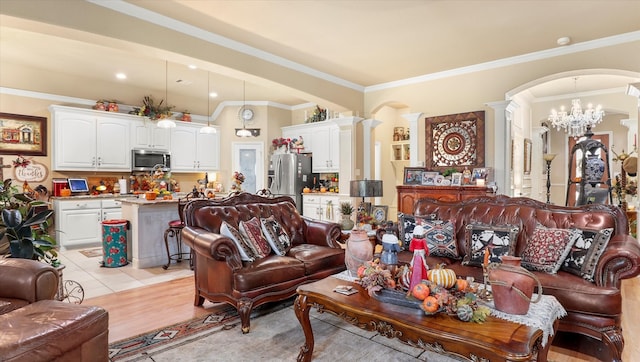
[
  {"x": 564, "y": 40},
  {"x": 121, "y": 76},
  {"x": 213, "y": 94},
  {"x": 191, "y": 66}
]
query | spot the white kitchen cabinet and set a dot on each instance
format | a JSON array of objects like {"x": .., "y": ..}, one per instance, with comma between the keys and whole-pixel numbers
[
  {"x": 88, "y": 140},
  {"x": 147, "y": 135},
  {"x": 316, "y": 206},
  {"x": 323, "y": 140},
  {"x": 79, "y": 221},
  {"x": 193, "y": 151}
]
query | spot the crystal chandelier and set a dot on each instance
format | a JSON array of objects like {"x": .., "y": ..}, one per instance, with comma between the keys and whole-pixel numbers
[{"x": 576, "y": 123}]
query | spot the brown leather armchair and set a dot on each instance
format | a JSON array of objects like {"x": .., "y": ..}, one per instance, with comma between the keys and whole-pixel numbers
[
  {"x": 37, "y": 328},
  {"x": 221, "y": 275}
]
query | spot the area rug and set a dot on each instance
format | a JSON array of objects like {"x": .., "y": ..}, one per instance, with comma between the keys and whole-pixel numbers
[
  {"x": 91, "y": 253},
  {"x": 275, "y": 335}
]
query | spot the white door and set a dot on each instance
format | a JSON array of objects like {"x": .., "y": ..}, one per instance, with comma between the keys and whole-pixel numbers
[{"x": 248, "y": 158}]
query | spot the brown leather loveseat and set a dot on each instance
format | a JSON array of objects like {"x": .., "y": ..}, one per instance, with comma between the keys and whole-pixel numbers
[
  {"x": 34, "y": 327},
  {"x": 222, "y": 276},
  {"x": 594, "y": 307}
]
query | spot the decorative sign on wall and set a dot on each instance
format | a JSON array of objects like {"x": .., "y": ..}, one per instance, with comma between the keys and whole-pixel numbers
[
  {"x": 455, "y": 140},
  {"x": 29, "y": 170}
]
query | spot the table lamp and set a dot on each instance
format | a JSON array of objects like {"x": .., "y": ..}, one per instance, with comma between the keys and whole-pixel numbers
[{"x": 365, "y": 188}]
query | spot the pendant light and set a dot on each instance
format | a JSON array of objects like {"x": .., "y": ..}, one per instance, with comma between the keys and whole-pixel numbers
[
  {"x": 244, "y": 132},
  {"x": 166, "y": 122},
  {"x": 208, "y": 128}
]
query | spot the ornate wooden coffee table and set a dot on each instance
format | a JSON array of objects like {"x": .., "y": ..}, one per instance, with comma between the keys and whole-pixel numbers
[{"x": 493, "y": 340}]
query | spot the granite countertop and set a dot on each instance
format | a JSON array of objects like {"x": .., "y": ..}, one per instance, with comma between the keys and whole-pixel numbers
[{"x": 100, "y": 196}]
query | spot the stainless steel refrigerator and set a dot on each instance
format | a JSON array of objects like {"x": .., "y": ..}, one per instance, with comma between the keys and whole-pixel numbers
[{"x": 289, "y": 173}]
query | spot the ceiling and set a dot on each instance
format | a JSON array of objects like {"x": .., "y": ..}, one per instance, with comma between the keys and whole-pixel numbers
[{"x": 358, "y": 44}]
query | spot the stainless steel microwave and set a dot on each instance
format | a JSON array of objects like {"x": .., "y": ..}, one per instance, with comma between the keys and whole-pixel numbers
[{"x": 147, "y": 160}]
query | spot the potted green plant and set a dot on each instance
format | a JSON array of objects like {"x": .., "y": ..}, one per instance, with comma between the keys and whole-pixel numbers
[
  {"x": 346, "y": 210},
  {"x": 25, "y": 223}
]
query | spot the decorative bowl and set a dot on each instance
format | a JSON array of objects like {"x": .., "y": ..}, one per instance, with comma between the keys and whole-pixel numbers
[{"x": 150, "y": 195}]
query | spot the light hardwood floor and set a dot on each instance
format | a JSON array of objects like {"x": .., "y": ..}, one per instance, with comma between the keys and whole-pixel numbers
[{"x": 136, "y": 311}]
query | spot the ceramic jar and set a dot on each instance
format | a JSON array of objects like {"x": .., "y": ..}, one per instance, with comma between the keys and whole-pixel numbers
[
  {"x": 512, "y": 286},
  {"x": 359, "y": 251},
  {"x": 595, "y": 169},
  {"x": 346, "y": 223}
]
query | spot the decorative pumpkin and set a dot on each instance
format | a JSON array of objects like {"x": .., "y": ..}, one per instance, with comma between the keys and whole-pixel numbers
[
  {"x": 430, "y": 305},
  {"x": 462, "y": 285},
  {"x": 442, "y": 277},
  {"x": 420, "y": 291},
  {"x": 404, "y": 277},
  {"x": 465, "y": 312}
]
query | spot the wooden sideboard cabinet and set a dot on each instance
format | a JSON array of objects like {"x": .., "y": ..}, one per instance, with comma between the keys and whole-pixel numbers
[{"x": 408, "y": 194}]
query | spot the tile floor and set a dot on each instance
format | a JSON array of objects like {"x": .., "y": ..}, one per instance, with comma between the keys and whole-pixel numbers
[{"x": 97, "y": 280}]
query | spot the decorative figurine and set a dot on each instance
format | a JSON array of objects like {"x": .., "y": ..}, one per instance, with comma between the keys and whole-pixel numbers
[
  {"x": 420, "y": 251},
  {"x": 390, "y": 249}
]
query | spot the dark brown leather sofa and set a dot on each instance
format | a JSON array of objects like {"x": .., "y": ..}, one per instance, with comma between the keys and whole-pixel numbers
[
  {"x": 34, "y": 327},
  {"x": 594, "y": 308},
  {"x": 221, "y": 275}
]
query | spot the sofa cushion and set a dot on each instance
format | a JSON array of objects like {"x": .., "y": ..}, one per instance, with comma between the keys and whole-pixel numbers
[
  {"x": 276, "y": 236},
  {"x": 252, "y": 232},
  {"x": 268, "y": 272},
  {"x": 586, "y": 252},
  {"x": 246, "y": 252},
  {"x": 548, "y": 248},
  {"x": 318, "y": 258},
  {"x": 498, "y": 239},
  {"x": 441, "y": 238},
  {"x": 406, "y": 224}
]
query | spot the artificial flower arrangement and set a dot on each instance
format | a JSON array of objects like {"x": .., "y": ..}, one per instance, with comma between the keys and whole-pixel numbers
[
  {"x": 238, "y": 177},
  {"x": 279, "y": 142},
  {"x": 630, "y": 187},
  {"x": 453, "y": 296},
  {"x": 318, "y": 115},
  {"x": 151, "y": 110}
]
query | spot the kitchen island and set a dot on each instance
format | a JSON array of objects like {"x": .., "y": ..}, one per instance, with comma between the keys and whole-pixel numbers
[{"x": 149, "y": 220}]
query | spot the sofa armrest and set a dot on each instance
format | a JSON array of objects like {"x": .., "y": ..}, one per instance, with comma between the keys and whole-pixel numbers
[
  {"x": 620, "y": 260},
  {"x": 323, "y": 233},
  {"x": 28, "y": 280},
  {"x": 213, "y": 246}
]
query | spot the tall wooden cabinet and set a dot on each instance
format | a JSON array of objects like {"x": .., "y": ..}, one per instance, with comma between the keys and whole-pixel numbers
[{"x": 409, "y": 194}]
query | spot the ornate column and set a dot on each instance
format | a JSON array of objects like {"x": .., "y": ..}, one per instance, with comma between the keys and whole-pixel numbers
[
  {"x": 414, "y": 139},
  {"x": 347, "y": 150},
  {"x": 502, "y": 144},
  {"x": 367, "y": 126},
  {"x": 537, "y": 165}
]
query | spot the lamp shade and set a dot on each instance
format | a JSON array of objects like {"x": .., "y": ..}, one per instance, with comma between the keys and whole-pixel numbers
[{"x": 365, "y": 188}]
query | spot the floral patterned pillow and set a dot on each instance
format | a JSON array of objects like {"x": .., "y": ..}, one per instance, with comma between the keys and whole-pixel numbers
[
  {"x": 246, "y": 252},
  {"x": 498, "y": 239},
  {"x": 252, "y": 232},
  {"x": 276, "y": 236},
  {"x": 586, "y": 252},
  {"x": 548, "y": 248}
]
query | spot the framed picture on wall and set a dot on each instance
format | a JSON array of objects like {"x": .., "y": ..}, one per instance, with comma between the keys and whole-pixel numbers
[
  {"x": 413, "y": 175},
  {"x": 23, "y": 135},
  {"x": 455, "y": 140}
]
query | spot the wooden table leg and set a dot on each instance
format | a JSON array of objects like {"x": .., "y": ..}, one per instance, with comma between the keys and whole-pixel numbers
[{"x": 302, "y": 309}]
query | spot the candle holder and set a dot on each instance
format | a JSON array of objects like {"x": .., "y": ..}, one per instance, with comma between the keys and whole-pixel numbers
[{"x": 485, "y": 293}]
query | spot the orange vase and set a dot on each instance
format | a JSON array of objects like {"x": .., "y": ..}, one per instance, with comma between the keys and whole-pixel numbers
[
  {"x": 359, "y": 250},
  {"x": 512, "y": 286}
]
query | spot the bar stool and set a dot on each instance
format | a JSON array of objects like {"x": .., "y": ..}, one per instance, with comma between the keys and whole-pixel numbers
[{"x": 175, "y": 231}]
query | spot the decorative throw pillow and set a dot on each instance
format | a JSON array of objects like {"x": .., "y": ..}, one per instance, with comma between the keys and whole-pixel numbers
[
  {"x": 548, "y": 248},
  {"x": 406, "y": 224},
  {"x": 586, "y": 252},
  {"x": 252, "y": 232},
  {"x": 441, "y": 238},
  {"x": 498, "y": 239},
  {"x": 276, "y": 236},
  {"x": 246, "y": 253}
]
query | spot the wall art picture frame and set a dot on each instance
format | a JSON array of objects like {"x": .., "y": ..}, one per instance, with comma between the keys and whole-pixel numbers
[
  {"x": 455, "y": 140},
  {"x": 379, "y": 213},
  {"x": 23, "y": 135},
  {"x": 456, "y": 179},
  {"x": 429, "y": 178},
  {"x": 412, "y": 176}
]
